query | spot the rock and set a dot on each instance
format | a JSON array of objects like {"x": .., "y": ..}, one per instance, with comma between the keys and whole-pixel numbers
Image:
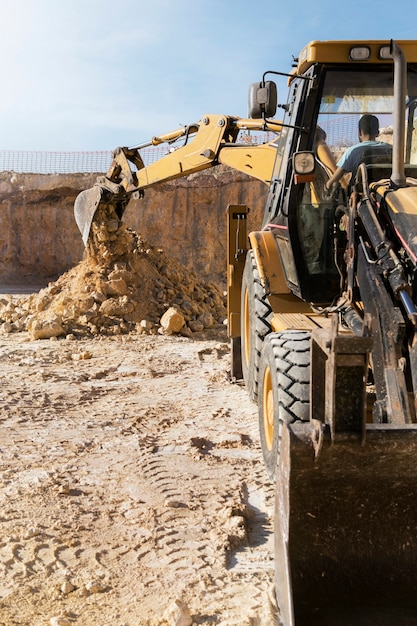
[
  {"x": 98, "y": 296},
  {"x": 172, "y": 321},
  {"x": 196, "y": 326},
  {"x": 120, "y": 272},
  {"x": 81, "y": 356},
  {"x": 186, "y": 332},
  {"x": 47, "y": 328},
  {"x": 67, "y": 587},
  {"x": 146, "y": 324},
  {"x": 206, "y": 319},
  {"x": 19, "y": 324},
  {"x": 95, "y": 586},
  {"x": 59, "y": 621},
  {"x": 42, "y": 304},
  {"x": 64, "y": 489},
  {"x": 32, "y": 532},
  {"x": 236, "y": 531},
  {"x": 116, "y": 287},
  {"x": 116, "y": 307},
  {"x": 178, "y": 614}
]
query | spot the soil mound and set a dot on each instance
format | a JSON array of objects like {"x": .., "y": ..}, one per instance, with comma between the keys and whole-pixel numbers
[{"x": 121, "y": 285}]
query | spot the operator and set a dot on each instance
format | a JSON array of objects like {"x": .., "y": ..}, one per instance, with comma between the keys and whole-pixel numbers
[{"x": 368, "y": 130}]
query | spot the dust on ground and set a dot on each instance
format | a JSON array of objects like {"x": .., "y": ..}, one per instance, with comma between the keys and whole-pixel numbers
[{"x": 132, "y": 488}]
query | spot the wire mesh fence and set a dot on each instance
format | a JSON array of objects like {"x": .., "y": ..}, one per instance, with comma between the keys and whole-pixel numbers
[
  {"x": 40, "y": 162},
  {"x": 341, "y": 131}
]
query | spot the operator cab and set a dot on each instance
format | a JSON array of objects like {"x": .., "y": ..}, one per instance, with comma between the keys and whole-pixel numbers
[{"x": 322, "y": 113}]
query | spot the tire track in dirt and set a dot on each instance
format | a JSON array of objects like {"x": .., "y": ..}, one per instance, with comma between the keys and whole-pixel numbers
[{"x": 137, "y": 469}]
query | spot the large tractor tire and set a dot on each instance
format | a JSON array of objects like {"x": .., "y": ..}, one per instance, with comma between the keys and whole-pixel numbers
[
  {"x": 256, "y": 314},
  {"x": 284, "y": 389}
]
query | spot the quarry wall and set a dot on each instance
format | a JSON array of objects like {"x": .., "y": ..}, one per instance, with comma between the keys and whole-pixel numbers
[{"x": 39, "y": 239}]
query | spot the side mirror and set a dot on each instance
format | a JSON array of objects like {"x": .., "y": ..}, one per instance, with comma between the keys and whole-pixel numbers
[
  {"x": 263, "y": 100},
  {"x": 303, "y": 165}
]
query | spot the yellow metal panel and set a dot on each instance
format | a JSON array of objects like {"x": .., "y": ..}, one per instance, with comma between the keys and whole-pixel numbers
[
  {"x": 402, "y": 200},
  {"x": 338, "y": 52},
  {"x": 298, "y": 321},
  {"x": 234, "y": 324},
  {"x": 194, "y": 156},
  {"x": 237, "y": 244},
  {"x": 268, "y": 262},
  {"x": 257, "y": 161}
]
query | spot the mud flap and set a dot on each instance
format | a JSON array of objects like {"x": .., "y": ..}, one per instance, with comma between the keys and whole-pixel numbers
[
  {"x": 85, "y": 206},
  {"x": 345, "y": 526}
]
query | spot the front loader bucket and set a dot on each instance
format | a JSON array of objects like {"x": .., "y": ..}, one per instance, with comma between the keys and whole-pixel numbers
[
  {"x": 346, "y": 527},
  {"x": 85, "y": 206}
]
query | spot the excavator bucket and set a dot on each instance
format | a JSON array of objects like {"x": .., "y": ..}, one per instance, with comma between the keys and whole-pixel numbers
[
  {"x": 85, "y": 206},
  {"x": 345, "y": 526}
]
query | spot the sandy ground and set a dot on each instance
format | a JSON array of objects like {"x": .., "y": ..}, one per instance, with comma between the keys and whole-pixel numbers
[{"x": 132, "y": 486}]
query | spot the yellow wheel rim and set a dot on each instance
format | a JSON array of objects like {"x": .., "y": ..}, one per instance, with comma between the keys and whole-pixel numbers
[{"x": 268, "y": 409}]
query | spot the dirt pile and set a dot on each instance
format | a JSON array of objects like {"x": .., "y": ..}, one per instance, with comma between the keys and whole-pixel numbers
[{"x": 121, "y": 285}]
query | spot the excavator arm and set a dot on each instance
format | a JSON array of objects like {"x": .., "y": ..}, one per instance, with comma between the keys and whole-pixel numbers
[{"x": 213, "y": 140}]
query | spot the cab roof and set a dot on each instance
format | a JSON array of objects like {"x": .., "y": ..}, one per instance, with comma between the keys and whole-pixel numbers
[{"x": 352, "y": 52}]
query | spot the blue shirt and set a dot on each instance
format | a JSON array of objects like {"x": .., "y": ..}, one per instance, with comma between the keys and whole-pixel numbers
[{"x": 350, "y": 160}]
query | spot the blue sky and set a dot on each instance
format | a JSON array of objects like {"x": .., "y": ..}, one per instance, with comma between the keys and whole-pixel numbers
[{"x": 96, "y": 74}]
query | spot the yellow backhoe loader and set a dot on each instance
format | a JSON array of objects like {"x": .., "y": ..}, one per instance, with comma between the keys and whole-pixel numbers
[{"x": 322, "y": 317}]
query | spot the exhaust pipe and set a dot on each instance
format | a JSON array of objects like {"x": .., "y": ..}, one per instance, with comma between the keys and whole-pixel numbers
[{"x": 398, "y": 178}]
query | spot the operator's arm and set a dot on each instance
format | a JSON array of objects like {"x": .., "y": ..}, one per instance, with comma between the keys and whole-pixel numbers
[
  {"x": 345, "y": 164},
  {"x": 334, "y": 178}
]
